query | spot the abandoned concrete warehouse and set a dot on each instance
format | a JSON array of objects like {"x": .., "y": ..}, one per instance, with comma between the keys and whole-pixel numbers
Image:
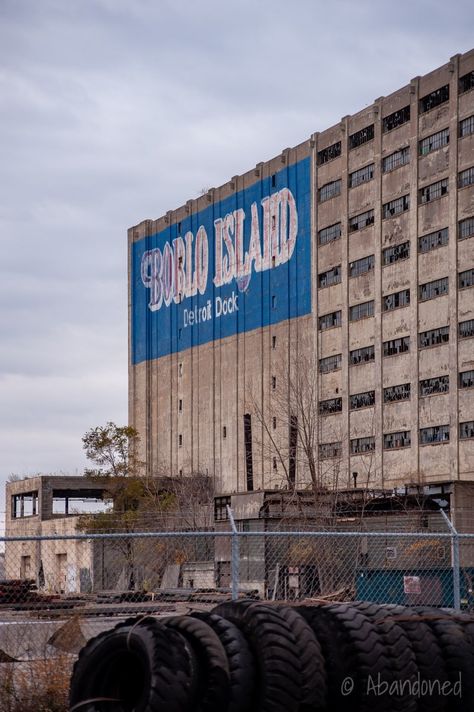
[{"x": 339, "y": 277}]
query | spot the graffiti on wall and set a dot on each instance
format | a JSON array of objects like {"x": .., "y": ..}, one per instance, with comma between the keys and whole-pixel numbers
[{"x": 241, "y": 264}]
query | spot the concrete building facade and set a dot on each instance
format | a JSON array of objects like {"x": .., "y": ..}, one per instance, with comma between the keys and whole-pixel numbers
[
  {"x": 362, "y": 270},
  {"x": 51, "y": 506}
]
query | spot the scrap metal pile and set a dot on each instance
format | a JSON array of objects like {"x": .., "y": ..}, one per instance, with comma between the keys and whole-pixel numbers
[{"x": 253, "y": 657}]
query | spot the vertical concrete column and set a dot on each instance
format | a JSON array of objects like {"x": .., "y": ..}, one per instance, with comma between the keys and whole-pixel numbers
[
  {"x": 453, "y": 268},
  {"x": 413, "y": 270},
  {"x": 314, "y": 274},
  {"x": 378, "y": 314},
  {"x": 345, "y": 474}
]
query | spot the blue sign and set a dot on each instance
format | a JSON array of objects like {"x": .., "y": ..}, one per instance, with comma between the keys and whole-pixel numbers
[{"x": 240, "y": 264}]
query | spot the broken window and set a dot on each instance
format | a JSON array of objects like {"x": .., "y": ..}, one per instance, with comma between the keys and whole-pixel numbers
[
  {"x": 466, "y": 126},
  {"x": 366, "y": 264},
  {"x": 360, "y": 137},
  {"x": 327, "y": 450},
  {"x": 293, "y": 439},
  {"x": 398, "y": 118},
  {"x": 433, "y": 337},
  {"x": 436, "y": 434},
  {"x": 465, "y": 228},
  {"x": 466, "y": 430},
  {"x": 466, "y": 329},
  {"x": 363, "y": 355},
  {"x": 248, "y": 451},
  {"x": 396, "y": 300},
  {"x": 221, "y": 513},
  {"x": 434, "y": 98},
  {"x": 362, "y": 400},
  {"x": 330, "y": 363},
  {"x": 429, "y": 242},
  {"x": 361, "y": 445},
  {"x": 466, "y": 379},
  {"x": 330, "y": 233},
  {"x": 396, "y": 159},
  {"x": 332, "y": 276},
  {"x": 358, "y": 222},
  {"x": 328, "y": 321},
  {"x": 466, "y": 278},
  {"x": 433, "y": 386},
  {"x": 25, "y": 505},
  {"x": 330, "y": 190},
  {"x": 329, "y": 154},
  {"x": 396, "y": 346},
  {"x": 434, "y": 289},
  {"x": 433, "y": 191},
  {"x": 466, "y": 178},
  {"x": 393, "y": 441},
  {"x": 433, "y": 142},
  {"x": 361, "y": 311},
  {"x": 395, "y": 207},
  {"x": 362, "y": 175},
  {"x": 274, "y": 382},
  {"x": 70, "y": 502},
  {"x": 466, "y": 82},
  {"x": 393, "y": 394},
  {"x": 396, "y": 253},
  {"x": 330, "y": 406}
]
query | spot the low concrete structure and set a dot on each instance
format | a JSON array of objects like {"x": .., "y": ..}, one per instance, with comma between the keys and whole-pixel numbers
[{"x": 51, "y": 506}]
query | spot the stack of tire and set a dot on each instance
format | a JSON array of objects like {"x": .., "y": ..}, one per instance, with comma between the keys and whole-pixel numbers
[{"x": 253, "y": 657}]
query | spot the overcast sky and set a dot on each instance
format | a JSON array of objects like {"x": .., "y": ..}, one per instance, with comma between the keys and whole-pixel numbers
[{"x": 113, "y": 111}]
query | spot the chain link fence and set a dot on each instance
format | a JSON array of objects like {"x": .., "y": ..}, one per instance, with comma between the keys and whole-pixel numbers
[{"x": 58, "y": 591}]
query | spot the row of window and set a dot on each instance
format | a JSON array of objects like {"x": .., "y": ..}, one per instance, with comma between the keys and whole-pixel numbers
[
  {"x": 427, "y": 291},
  {"x": 394, "y": 207},
  {"x": 398, "y": 118},
  {"x": 427, "y": 387},
  {"x": 428, "y": 242},
  {"x": 394, "y": 347},
  {"x": 393, "y": 254},
  {"x": 397, "y": 440}
]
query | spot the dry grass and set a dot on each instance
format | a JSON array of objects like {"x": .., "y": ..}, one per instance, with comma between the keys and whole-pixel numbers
[{"x": 36, "y": 685}]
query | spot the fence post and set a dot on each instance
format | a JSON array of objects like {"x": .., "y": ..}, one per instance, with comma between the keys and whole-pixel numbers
[
  {"x": 455, "y": 560},
  {"x": 235, "y": 557}
]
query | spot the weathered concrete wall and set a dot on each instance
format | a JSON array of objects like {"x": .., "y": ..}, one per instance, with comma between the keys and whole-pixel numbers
[{"x": 182, "y": 403}]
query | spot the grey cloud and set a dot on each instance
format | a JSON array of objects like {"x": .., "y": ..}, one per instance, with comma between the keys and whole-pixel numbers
[{"x": 118, "y": 110}]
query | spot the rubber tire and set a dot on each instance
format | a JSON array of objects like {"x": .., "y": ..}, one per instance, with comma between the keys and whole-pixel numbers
[
  {"x": 276, "y": 653},
  {"x": 428, "y": 654},
  {"x": 239, "y": 656},
  {"x": 403, "y": 667},
  {"x": 109, "y": 665},
  {"x": 355, "y": 655},
  {"x": 457, "y": 652},
  {"x": 213, "y": 677},
  {"x": 313, "y": 667}
]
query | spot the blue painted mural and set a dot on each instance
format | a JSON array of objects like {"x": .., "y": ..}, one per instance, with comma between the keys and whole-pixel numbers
[{"x": 238, "y": 265}]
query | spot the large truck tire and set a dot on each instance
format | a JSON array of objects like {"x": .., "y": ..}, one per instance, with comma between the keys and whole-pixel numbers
[
  {"x": 428, "y": 655},
  {"x": 403, "y": 668},
  {"x": 275, "y": 650},
  {"x": 138, "y": 666},
  {"x": 212, "y": 672},
  {"x": 455, "y": 643},
  {"x": 239, "y": 656},
  {"x": 355, "y": 655},
  {"x": 313, "y": 667}
]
